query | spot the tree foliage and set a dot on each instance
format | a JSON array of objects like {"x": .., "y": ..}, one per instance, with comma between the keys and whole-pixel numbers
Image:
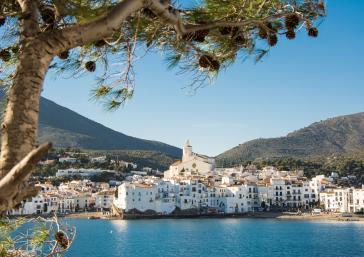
[
  {"x": 208, "y": 37},
  {"x": 34, "y": 237}
]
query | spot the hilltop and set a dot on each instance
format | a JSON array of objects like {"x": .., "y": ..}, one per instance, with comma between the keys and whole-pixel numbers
[
  {"x": 66, "y": 128},
  {"x": 343, "y": 135}
]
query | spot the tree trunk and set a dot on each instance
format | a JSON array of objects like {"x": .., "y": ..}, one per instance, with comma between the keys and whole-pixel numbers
[
  {"x": 18, "y": 155},
  {"x": 20, "y": 122}
]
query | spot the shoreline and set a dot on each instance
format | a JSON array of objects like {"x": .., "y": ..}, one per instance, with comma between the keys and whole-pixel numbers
[{"x": 264, "y": 215}]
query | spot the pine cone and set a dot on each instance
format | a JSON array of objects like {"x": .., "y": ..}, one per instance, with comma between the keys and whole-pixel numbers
[
  {"x": 15, "y": 49},
  {"x": 205, "y": 61},
  {"x": 61, "y": 239},
  {"x": 188, "y": 36},
  {"x": 292, "y": 21},
  {"x": 225, "y": 30},
  {"x": 215, "y": 65},
  {"x": 240, "y": 40},
  {"x": 200, "y": 35},
  {"x": 64, "y": 55},
  {"x": 262, "y": 33},
  {"x": 5, "y": 55},
  {"x": 313, "y": 32},
  {"x": 321, "y": 6},
  {"x": 290, "y": 34},
  {"x": 90, "y": 66},
  {"x": 272, "y": 39},
  {"x": 2, "y": 21},
  {"x": 48, "y": 15}
]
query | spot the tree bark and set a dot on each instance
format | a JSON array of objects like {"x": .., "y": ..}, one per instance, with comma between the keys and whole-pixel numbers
[
  {"x": 20, "y": 122},
  {"x": 13, "y": 187}
]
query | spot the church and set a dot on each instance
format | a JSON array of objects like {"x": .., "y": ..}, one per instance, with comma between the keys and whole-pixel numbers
[{"x": 191, "y": 164}]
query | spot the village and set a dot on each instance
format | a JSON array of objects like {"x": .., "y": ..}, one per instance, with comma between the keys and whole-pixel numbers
[{"x": 191, "y": 186}]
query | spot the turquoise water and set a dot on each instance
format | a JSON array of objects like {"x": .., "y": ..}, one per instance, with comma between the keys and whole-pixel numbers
[{"x": 216, "y": 237}]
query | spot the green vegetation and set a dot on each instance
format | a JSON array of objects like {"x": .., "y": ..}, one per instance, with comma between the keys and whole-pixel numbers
[
  {"x": 343, "y": 165},
  {"x": 152, "y": 159},
  {"x": 34, "y": 237},
  {"x": 114, "y": 161},
  {"x": 340, "y": 136}
]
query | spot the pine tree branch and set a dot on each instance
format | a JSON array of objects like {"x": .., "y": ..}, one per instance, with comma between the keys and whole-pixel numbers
[{"x": 12, "y": 186}]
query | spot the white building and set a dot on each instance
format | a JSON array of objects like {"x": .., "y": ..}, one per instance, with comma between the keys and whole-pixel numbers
[
  {"x": 357, "y": 204},
  {"x": 164, "y": 196},
  {"x": 81, "y": 172},
  {"x": 100, "y": 159},
  {"x": 136, "y": 196},
  {"x": 336, "y": 199},
  {"x": 67, "y": 160},
  {"x": 104, "y": 200},
  {"x": 191, "y": 164}
]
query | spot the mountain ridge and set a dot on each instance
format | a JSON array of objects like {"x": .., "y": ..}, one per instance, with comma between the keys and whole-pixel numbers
[
  {"x": 89, "y": 134},
  {"x": 67, "y": 128},
  {"x": 339, "y": 135}
]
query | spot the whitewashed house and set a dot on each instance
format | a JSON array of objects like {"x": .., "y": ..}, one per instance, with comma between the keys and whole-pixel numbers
[
  {"x": 104, "y": 200},
  {"x": 357, "y": 203},
  {"x": 336, "y": 199}
]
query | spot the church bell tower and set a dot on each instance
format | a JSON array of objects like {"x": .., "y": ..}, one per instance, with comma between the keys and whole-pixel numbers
[{"x": 187, "y": 151}]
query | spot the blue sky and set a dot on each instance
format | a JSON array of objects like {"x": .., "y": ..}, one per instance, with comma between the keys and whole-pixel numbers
[{"x": 299, "y": 82}]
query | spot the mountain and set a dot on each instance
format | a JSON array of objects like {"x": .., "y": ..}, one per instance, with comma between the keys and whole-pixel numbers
[
  {"x": 66, "y": 128},
  {"x": 341, "y": 135}
]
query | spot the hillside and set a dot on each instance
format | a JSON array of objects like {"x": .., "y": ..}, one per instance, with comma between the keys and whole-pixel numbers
[
  {"x": 66, "y": 128},
  {"x": 342, "y": 135}
]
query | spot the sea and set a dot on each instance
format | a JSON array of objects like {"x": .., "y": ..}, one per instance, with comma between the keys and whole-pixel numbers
[{"x": 215, "y": 237}]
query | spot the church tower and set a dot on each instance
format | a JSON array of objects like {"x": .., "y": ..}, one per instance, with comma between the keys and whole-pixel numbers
[{"x": 187, "y": 151}]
